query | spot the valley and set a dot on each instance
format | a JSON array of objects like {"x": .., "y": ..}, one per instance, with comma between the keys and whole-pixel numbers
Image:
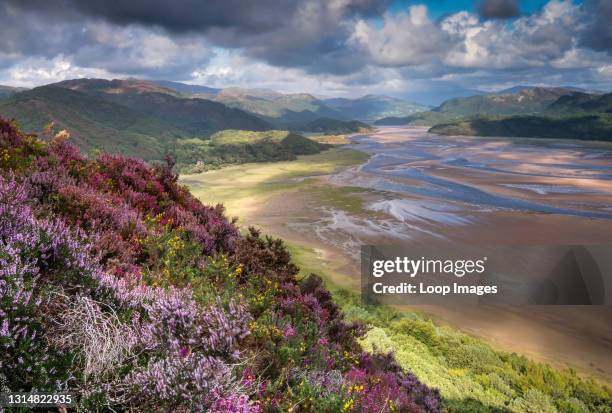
[{"x": 416, "y": 185}]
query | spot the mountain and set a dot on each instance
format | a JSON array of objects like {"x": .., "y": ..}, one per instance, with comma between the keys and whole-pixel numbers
[
  {"x": 519, "y": 88},
  {"x": 279, "y": 109},
  {"x": 7, "y": 91},
  {"x": 198, "y": 117},
  {"x": 135, "y": 117},
  {"x": 525, "y": 101},
  {"x": 372, "y": 107},
  {"x": 334, "y": 126},
  {"x": 521, "y": 100},
  {"x": 576, "y": 116},
  {"x": 581, "y": 103},
  {"x": 186, "y": 88},
  {"x": 586, "y": 127},
  {"x": 94, "y": 123}
]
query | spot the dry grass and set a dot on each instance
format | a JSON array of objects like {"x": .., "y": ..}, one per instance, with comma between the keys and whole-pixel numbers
[{"x": 100, "y": 340}]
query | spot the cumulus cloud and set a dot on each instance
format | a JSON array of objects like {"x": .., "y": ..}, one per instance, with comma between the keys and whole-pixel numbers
[
  {"x": 409, "y": 38},
  {"x": 310, "y": 34},
  {"x": 499, "y": 9},
  {"x": 530, "y": 41}
]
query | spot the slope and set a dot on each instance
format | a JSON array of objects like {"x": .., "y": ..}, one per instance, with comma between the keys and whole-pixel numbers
[
  {"x": 198, "y": 117},
  {"x": 94, "y": 123},
  {"x": 373, "y": 107}
]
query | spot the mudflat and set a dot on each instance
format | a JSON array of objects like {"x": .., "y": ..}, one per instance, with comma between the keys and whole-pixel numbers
[{"x": 413, "y": 185}]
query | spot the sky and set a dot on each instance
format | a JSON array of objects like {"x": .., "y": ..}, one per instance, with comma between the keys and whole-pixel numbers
[{"x": 425, "y": 51}]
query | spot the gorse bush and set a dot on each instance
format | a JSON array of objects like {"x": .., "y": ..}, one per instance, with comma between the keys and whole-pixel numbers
[{"x": 117, "y": 284}]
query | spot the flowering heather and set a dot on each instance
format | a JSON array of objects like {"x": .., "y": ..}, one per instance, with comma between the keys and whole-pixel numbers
[{"x": 117, "y": 283}]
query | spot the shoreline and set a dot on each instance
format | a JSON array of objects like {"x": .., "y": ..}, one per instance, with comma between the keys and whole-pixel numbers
[{"x": 291, "y": 202}]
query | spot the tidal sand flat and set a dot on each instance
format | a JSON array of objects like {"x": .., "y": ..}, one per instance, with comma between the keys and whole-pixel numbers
[{"x": 405, "y": 183}]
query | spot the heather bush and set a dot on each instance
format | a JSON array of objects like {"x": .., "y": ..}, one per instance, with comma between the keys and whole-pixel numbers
[
  {"x": 32, "y": 253},
  {"x": 116, "y": 282}
]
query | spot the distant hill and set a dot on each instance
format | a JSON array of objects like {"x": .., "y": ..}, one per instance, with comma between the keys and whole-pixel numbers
[
  {"x": 525, "y": 101},
  {"x": 186, "y": 88},
  {"x": 373, "y": 107},
  {"x": 7, "y": 91},
  {"x": 134, "y": 117},
  {"x": 520, "y": 100},
  {"x": 334, "y": 126},
  {"x": 586, "y": 127},
  {"x": 519, "y": 88},
  {"x": 198, "y": 117},
  {"x": 94, "y": 123},
  {"x": 236, "y": 146},
  {"x": 278, "y": 109},
  {"x": 581, "y": 103},
  {"x": 574, "y": 115}
]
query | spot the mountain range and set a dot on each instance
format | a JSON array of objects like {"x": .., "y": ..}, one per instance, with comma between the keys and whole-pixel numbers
[
  {"x": 520, "y": 112},
  {"x": 520, "y": 100},
  {"x": 373, "y": 107},
  {"x": 574, "y": 115},
  {"x": 291, "y": 110},
  {"x": 145, "y": 118}
]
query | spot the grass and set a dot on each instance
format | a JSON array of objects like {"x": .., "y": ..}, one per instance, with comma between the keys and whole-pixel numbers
[
  {"x": 238, "y": 137},
  {"x": 242, "y": 187}
]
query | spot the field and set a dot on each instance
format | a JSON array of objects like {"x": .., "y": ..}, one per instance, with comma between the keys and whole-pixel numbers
[{"x": 242, "y": 188}]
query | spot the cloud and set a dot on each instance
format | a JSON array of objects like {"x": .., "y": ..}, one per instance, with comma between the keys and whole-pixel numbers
[
  {"x": 405, "y": 39},
  {"x": 499, "y": 9},
  {"x": 292, "y": 33},
  {"x": 325, "y": 46},
  {"x": 598, "y": 29},
  {"x": 530, "y": 41}
]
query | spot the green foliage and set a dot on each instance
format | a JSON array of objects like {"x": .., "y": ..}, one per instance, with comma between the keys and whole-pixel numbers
[
  {"x": 333, "y": 126},
  {"x": 92, "y": 122},
  {"x": 471, "y": 376},
  {"x": 237, "y": 147},
  {"x": 238, "y": 137},
  {"x": 589, "y": 127}
]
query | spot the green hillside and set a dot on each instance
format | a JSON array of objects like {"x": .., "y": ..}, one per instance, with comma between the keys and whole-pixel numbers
[
  {"x": 185, "y": 88},
  {"x": 333, "y": 126},
  {"x": 516, "y": 101},
  {"x": 8, "y": 91},
  {"x": 525, "y": 101},
  {"x": 198, "y": 117},
  {"x": 94, "y": 123},
  {"x": 589, "y": 127},
  {"x": 237, "y": 147},
  {"x": 582, "y": 103},
  {"x": 373, "y": 107},
  {"x": 279, "y": 109}
]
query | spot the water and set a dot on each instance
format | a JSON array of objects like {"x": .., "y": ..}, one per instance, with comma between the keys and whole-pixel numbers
[{"x": 482, "y": 172}]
